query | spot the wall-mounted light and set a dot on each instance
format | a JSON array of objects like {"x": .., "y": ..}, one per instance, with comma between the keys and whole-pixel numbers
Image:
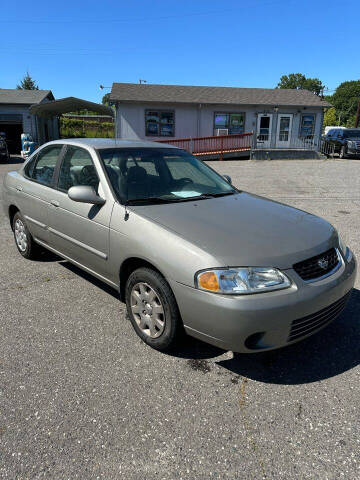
[{"x": 276, "y": 109}]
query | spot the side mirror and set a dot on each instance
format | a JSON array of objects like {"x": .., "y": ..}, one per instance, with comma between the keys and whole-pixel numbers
[
  {"x": 85, "y": 194},
  {"x": 227, "y": 178}
]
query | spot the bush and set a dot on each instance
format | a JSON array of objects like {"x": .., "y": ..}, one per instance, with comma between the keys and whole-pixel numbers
[{"x": 76, "y": 128}]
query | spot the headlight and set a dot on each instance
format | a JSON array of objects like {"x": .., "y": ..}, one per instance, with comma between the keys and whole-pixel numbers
[
  {"x": 241, "y": 280},
  {"x": 351, "y": 144},
  {"x": 342, "y": 246},
  {"x": 346, "y": 252}
]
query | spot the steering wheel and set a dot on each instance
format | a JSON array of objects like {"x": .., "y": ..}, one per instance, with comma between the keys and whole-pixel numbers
[{"x": 184, "y": 181}]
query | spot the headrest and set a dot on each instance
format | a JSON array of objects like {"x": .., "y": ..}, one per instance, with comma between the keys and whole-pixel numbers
[{"x": 136, "y": 174}]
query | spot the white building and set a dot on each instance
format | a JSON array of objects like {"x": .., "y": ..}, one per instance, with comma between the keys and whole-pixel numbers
[{"x": 279, "y": 118}]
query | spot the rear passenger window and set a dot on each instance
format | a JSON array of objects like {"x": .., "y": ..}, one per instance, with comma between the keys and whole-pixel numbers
[
  {"x": 77, "y": 168},
  {"x": 42, "y": 170}
]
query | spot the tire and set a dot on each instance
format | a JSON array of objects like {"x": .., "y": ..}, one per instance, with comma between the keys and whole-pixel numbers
[
  {"x": 23, "y": 238},
  {"x": 342, "y": 153},
  {"x": 147, "y": 294}
]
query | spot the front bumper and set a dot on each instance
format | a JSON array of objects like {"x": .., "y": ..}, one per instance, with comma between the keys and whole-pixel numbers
[
  {"x": 250, "y": 323},
  {"x": 353, "y": 151}
]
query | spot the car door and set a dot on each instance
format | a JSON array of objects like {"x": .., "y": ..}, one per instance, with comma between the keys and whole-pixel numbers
[
  {"x": 35, "y": 190},
  {"x": 337, "y": 139},
  {"x": 80, "y": 231},
  {"x": 340, "y": 139}
]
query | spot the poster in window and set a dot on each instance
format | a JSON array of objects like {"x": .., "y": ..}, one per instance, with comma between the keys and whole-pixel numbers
[
  {"x": 166, "y": 130},
  {"x": 152, "y": 116},
  {"x": 152, "y": 128},
  {"x": 307, "y": 125},
  {"x": 221, "y": 120},
  {"x": 308, "y": 120},
  {"x": 167, "y": 117},
  {"x": 236, "y": 123}
]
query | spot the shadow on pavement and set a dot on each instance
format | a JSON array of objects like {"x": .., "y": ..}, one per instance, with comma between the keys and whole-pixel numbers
[
  {"x": 332, "y": 351},
  {"x": 90, "y": 278},
  {"x": 328, "y": 353}
]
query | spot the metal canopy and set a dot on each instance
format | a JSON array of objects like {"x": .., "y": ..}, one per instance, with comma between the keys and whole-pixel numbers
[{"x": 66, "y": 105}]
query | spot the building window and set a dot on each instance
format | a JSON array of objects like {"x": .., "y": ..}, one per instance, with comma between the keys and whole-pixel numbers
[
  {"x": 307, "y": 126},
  {"x": 159, "y": 123},
  {"x": 233, "y": 122}
]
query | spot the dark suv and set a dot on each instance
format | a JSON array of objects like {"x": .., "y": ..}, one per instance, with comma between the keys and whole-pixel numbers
[
  {"x": 345, "y": 140},
  {"x": 4, "y": 153}
]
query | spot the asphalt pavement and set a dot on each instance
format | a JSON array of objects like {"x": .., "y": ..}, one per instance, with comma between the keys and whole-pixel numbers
[{"x": 81, "y": 397}]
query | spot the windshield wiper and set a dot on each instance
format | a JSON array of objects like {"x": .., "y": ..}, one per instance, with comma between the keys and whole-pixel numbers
[
  {"x": 202, "y": 196},
  {"x": 135, "y": 201},
  {"x": 221, "y": 194}
]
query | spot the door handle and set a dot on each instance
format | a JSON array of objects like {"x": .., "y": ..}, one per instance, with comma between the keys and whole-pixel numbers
[
  {"x": 55, "y": 203},
  {"x": 19, "y": 188}
]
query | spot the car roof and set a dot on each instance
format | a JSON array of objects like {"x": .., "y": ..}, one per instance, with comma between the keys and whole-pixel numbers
[{"x": 111, "y": 143}]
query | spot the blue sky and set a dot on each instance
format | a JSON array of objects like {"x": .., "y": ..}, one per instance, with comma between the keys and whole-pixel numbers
[{"x": 73, "y": 47}]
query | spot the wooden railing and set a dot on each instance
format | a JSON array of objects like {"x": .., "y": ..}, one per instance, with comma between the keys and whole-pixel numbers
[{"x": 213, "y": 145}]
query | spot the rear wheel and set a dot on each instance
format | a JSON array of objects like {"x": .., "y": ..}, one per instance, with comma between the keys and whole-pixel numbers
[
  {"x": 152, "y": 309},
  {"x": 23, "y": 239}
]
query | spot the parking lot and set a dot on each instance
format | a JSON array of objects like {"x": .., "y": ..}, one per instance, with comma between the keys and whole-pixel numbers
[{"x": 81, "y": 397}]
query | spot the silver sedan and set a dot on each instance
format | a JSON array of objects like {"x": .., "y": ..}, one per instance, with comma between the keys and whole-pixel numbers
[{"x": 186, "y": 250}]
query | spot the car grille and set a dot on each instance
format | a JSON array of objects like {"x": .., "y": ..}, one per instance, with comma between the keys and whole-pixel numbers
[
  {"x": 311, "y": 269},
  {"x": 304, "y": 326}
]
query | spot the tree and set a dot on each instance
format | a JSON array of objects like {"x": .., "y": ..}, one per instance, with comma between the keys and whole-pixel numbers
[
  {"x": 345, "y": 100},
  {"x": 27, "y": 83},
  {"x": 330, "y": 118},
  {"x": 106, "y": 99},
  {"x": 298, "y": 81}
]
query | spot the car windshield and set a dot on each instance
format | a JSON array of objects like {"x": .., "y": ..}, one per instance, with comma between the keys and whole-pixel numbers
[
  {"x": 159, "y": 175},
  {"x": 352, "y": 133}
]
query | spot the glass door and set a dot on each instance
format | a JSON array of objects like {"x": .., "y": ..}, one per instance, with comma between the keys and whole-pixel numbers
[
  {"x": 264, "y": 126},
  {"x": 284, "y": 125}
]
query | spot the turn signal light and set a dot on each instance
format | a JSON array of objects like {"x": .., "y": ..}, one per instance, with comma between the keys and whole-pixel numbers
[{"x": 208, "y": 281}]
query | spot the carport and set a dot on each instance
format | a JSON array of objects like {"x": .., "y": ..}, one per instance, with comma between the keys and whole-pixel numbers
[{"x": 54, "y": 109}]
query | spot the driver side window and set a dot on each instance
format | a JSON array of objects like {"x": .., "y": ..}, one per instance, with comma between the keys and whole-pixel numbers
[{"x": 77, "y": 168}]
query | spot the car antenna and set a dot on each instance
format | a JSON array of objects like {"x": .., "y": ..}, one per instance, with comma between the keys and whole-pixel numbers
[{"x": 126, "y": 216}]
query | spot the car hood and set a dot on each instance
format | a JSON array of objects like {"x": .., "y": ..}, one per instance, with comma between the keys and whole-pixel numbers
[{"x": 245, "y": 229}]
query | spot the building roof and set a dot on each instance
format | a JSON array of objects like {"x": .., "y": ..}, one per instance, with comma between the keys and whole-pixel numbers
[
  {"x": 24, "y": 97},
  {"x": 69, "y": 104},
  {"x": 135, "y": 92}
]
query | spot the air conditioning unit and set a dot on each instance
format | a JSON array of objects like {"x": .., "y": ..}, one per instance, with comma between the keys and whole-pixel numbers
[{"x": 221, "y": 131}]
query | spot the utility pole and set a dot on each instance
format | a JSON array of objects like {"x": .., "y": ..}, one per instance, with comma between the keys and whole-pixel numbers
[{"x": 357, "y": 118}]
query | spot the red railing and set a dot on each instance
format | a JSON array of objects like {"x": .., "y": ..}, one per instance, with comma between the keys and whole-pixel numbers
[{"x": 213, "y": 145}]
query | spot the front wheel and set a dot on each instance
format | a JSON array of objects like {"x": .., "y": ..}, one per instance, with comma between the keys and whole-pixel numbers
[
  {"x": 152, "y": 309},
  {"x": 343, "y": 152}
]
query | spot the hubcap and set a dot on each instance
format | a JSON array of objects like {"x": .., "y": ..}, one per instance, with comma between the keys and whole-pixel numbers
[
  {"x": 20, "y": 235},
  {"x": 147, "y": 310}
]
